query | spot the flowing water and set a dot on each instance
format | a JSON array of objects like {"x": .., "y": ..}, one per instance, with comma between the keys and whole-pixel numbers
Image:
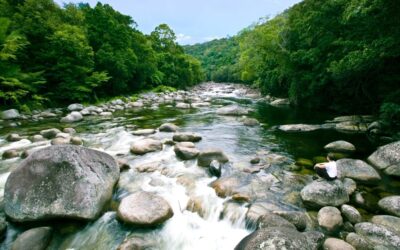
[{"x": 218, "y": 223}]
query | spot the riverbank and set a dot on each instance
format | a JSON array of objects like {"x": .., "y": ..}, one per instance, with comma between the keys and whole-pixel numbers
[{"x": 238, "y": 173}]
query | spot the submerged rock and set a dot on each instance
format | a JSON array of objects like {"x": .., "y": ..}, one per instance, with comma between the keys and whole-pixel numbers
[
  {"x": 357, "y": 170},
  {"x": 144, "y": 209},
  {"x": 145, "y": 146},
  {"x": 233, "y": 110},
  {"x": 324, "y": 193},
  {"x": 35, "y": 239},
  {"x": 168, "y": 127},
  {"x": 207, "y": 156},
  {"x": 60, "y": 182},
  {"x": 186, "y": 137},
  {"x": 391, "y": 205}
]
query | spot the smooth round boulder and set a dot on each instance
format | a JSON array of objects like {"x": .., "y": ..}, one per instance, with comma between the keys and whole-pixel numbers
[
  {"x": 144, "y": 209},
  {"x": 232, "y": 110},
  {"x": 251, "y": 122},
  {"x": 207, "y": 156},
  {"x": 74, "y": 116},
  {"x": 13, "y": 137},
  {"x": 275, "y": 238},
  {"x": 351, "y": 214},
  {"x": 33, "y": 239},
  {"x": 50, "y": 133},
  {"x": 391, "y": 205},
  {"x": 182, "y": 105},
  {"x": 60, "y": 141},
  {"x": 76, "y": 141},
  {"x": 340, "y": 147},
  {"x": 357, "y": 170},
  {"x": 37, "y": 138},
  {"x": 386, "y": 156},
  {"x": 337, "y": 244},
  {"x": 9, "y": 154},
  {"x": 10, "y": 114},
  {"x": 140, "y": 132},
  {"x": 69, "y": 130},
  {"x": 168, "y": 127},
  {"x": 185, "y": 153},
  {"x": 187, "y": 136},
  {"x": 75, "y": 107},
  {"x": 59, "y": 182},
  {"x": 330, "y": 218},
  {"x": 322, "y": 193},
  {"x": 146, "y": 146}
]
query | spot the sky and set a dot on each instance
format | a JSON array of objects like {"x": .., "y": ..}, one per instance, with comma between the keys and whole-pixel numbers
[{"x": 195, "y": 21}]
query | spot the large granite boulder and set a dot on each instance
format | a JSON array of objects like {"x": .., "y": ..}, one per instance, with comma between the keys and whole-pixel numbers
[
  {"x": 357, "y": 170},
  {"x": 391, "y": 222},
  {"x": 62, "y": 181},
  {"x": 277, "y": 238},
  {"x": 144, "y": 209},
  {"x": 322, "y": 193},
  {"x": 391, "y": 205},
  {"x": 378, "y": 235},
  {"x": 386, "y": 156},
  {"x": 340, "y": 147},
  {"x": 10, "y": 114}
]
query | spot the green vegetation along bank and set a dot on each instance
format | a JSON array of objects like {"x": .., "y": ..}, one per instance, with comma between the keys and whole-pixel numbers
[
  {"x": 52, "y": 56},
  {"x": 336, "y": 55}
]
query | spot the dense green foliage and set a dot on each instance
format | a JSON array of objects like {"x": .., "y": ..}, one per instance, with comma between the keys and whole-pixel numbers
[
  {"x": 219, "y": 59},
  {"x": 339, "y": 55},
  {"x": 52, "y": 55}
]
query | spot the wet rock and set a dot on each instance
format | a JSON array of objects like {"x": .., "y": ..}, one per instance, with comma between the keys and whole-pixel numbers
[
  {"x": 207, "y": 156},
  {"x": 75, "y": 107},
  {"x": 37, "y": 138},
  {"x": 50, "y": 133},
  {"x": 136, "y": 243},
  {"x": 298, "y": 128},
  {"x": 3, "y": 226},
  {"x": 76, "y": 141},
  {"x": 226, "y": 185},
  {"x": 144, "y": 209},
  {"x": 337, "y": 244},
  {"x": 255, "y": 160},
  {"x": 340, "y": 147},
  {"x": 69, "y": 130},
  {"x": 9, "y": 154},
  {"x": 366, "y": 200},
  {"x": 185, "y": 153},
  {"x": 298, "y": 219},
  {"x": 357, "y": 170},
  {"x": 388, "y": 221},
  {"x": 123, "y": 164},
  {"x": 10, "y": 114},
  {"x": 33, "y": 239},
  {"x": 324, "y": 193},
  {"x": 215, "y": 168},
  {"x": 275, "y": 238},
  {"x": 351, "y": 214},
  {"x": 390, "y": 205},
  {"x": 74, "y": 116},
  {"x": 145, "y": 146},
  {"x": 273, "y": 220},
  {"x": 141, "y": 132},
  {"x": 359, "y": 242},
  {"x": 47, "y": 114},
  {"x": 393, "y": 170},
  {"x": 378, "y": 235},
  {"x": 60, "y": 141},
  {"x": 280, "y": 102},
  {"x": 168, "y": 127},
  {"x": 60, "y": 182},
  {"x": 386, "y": 156},
  {"x": 232, "y": 110},
  {"x": 251, "y": 122},
  {"x": 13, "y": 137},
  {"x": 350, "y": 185},
  {"x": 330, "y": 218},
  {"x": 187, "y": 136},
  {"x": 241, "y": 197},
  {"x": 182, "y": 105},
  {"x": 149, "y": 167},
  {"x": 105, "y": 114}
]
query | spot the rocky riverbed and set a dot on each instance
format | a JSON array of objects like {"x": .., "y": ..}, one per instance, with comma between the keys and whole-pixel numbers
[{"x": 215, "y": 167}]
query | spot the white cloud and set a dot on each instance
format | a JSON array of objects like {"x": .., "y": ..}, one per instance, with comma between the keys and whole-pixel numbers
[
  {"x": 210, "y": 38},
  {"x": 183, "y": 39}
]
